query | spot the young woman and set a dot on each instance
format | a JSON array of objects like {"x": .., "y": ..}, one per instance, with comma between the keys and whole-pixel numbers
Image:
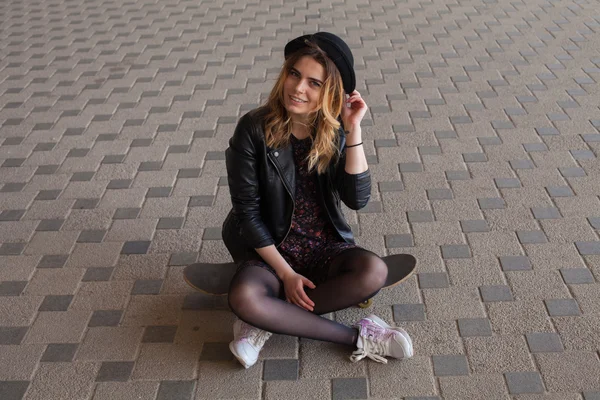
[{"x": 290, "y": 164}]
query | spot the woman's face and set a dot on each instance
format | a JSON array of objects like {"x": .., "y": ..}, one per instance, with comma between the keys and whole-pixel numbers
[{"x": 302, "y": 87}]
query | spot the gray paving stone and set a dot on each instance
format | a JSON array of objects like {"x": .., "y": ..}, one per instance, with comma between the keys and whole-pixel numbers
[
  {"x": 175, "y": 390},
  {"x": 456, "y": 251},
  {"x": 126, "y": 213},
  {"x": 524, "y": 382},
  {"x": 594, "y": 222},
  {"x": 489, "y": 141},
  {"x": 403, "y": 240},
  {"x": 53, "y": 261},
  {"x": 135, "y": 247},
  {"x": 440, "y": 194},
  {"x": 13, "y": 390},
  {"x": 433, "y": 280},
  {"x": 280, "y": 370},
  {"x": 50, "y": 225},
  {"x": 468, "y": 327},
  {"x": 395, "y": 186},
  {"x": 85, "y": 204},
  {"x": 7, "y": 249},
  {"x": 217, "y": 351},
  {"x": 56, "y": 303},
  {"x": 457, "y": 175},
  {"x": 409, "y": 312},
  {"x": 496, "y": 293},
  {"x": 201, "y": 201},
  {"x": 588, "y": 248},
  {"x": 477, "y": 225},
  {"x": 160, "y": 334},
  {"x": 420, "y": 216},
  {"x": 474, "y": 157},
  {"x": 12, "y": 288},
  {"x": 451, "y": 365},
  {"x": 91, "y": 236},
  {"x": 183, "y": 258},
  {"x": 115, "y": 371},
  {"x": 212, "y": 233},
  {"x": 12, "y": 335},
  {"x": 170, "y": 223},
  {"x": 535, "y": 147},
  {"x": 105, "y": 318},
  {"x": 147, "y": 286},
  {"x": 410, "y": 167},
  {"x": 491, "y": 203},
  {"x": 562, "y": 307},
  {"x": 546, "y": 213},
  {"x": 515, "y": 263},
  {"x": 154, "y": 192},
  {"x": 576, "y": 276},
  {"x": 560, "y": 191},
  {"x": 97, "y": 274},
  {"x": 60, "y": 352},
  {"x": 572, "y": 172},
  {"x": 507, "y": 183},
  {"x": 521, "y": 164},
  {"x": 349, "y": 388},
  {"x": 591, "y": 395},
  {"x": 529, "y": 237},
  {"x": 11, "y": 215},
  {"x": 544, "y": 342},
  {"x": 48, "y": 195},
  {"x": 583, "y": 155}
]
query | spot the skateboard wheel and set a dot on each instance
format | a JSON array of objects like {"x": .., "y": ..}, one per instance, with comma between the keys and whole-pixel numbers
[{"x": 366, "y": 304}]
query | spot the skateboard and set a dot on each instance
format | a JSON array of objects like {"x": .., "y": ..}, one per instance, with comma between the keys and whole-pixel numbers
[{"x": 214, "y": 279}]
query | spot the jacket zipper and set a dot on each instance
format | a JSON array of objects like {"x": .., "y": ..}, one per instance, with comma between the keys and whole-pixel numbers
[{"x": 290, "y": 193}]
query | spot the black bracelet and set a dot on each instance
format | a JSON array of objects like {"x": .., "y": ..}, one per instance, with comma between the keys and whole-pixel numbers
[{"x": 354, "y": 145}]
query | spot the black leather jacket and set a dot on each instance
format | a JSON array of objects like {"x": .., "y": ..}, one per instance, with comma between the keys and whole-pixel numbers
[{"x": 262, "y": 187}]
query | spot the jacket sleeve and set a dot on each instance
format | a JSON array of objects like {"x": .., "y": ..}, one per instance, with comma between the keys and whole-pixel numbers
[
  {"x": 242, "y": 176},
  {"x": 354, "y": 189}
]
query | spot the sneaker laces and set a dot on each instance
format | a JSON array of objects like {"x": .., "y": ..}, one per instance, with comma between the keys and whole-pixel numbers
[{"x": 372, "y": 342}]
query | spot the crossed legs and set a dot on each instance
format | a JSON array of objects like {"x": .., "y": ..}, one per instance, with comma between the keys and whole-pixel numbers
[{"x": 354, "y": 276}]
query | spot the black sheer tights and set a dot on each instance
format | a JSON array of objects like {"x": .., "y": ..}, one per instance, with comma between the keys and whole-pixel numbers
[{"x": 354, "y": 276}]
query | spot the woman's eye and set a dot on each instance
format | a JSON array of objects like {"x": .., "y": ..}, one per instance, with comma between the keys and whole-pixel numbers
[
  {"x": 316, "y": 84},
  {"x": 294, "y": 73}
]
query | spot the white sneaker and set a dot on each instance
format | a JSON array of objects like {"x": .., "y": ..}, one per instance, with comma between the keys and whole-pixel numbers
[
  {"x": 378, "y": 340},
  {"x": 247, "y": 342}
]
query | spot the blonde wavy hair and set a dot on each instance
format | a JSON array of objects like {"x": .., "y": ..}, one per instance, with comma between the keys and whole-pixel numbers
[{"x": 324, "y": 122}]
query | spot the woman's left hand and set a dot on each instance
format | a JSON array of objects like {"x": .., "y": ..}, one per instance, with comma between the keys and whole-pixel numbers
[{"x": 351, "y": 116}]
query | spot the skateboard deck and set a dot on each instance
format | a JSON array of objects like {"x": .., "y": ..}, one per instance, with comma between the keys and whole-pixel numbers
[{"x": 214, "y": 279}]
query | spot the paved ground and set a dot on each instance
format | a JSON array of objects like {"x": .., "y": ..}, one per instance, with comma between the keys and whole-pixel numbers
[{"x": 482, "y": 136}]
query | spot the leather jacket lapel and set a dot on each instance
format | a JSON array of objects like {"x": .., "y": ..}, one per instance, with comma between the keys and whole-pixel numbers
[{"x": 283, "y": 159}]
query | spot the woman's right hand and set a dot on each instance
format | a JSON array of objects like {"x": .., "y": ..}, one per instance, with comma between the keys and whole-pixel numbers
[{"x": 293, "y": 284}]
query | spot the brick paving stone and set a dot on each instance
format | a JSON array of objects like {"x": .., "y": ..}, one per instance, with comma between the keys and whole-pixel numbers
[
  {"x": 216, "y": 351},
  {"x": 278, "y": 370},
  {"x": 433, "y": 280},
  {"x": 562, "y": 307},
  {"x": 496, "y": 293},
  {"x": 480, "y": 225},
  {"x": 13, "y": 390},
  {"x": 175, "y": 390},
  {"x": 456, "y": 251},
  {"x": 524, "y": 382},
  {"x": 474, "y": 327},
  {"x": 349, "y": 388},
  {"x": 111, "y": 371},
  {"x": 544, "y": 342},
  {"x": 451, "y": 365},
  {"x": 515, "y": 263},
  {"x": 575, "y": 276},
  {"x": 59, "y": 352},
  {"x": 409, "y": 312}
]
